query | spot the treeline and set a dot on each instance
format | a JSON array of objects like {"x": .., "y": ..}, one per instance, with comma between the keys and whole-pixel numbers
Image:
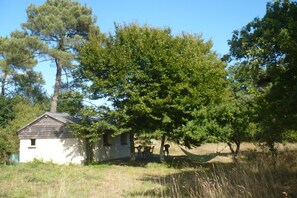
[{"x": 159, "y": 85}]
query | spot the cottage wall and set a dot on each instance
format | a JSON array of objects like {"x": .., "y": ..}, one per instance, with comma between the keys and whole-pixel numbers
[
  {"x": 60, "y": 151},
  {"x": 47, "y": 138},
  {"x": 114, "y": 150}
]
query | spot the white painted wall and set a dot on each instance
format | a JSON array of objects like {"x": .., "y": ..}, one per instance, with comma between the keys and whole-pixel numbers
[
  {"x": 71, "y": 150},
  {"x": 60, "y": 151},
  {"x": 115, "y": 151}
]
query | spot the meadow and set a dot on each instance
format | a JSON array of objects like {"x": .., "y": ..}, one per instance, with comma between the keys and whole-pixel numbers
[{"x": 258, "y": 174}]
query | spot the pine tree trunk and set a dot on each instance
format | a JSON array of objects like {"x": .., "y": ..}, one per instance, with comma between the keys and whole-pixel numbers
[
  {"x": 3, "y": 83},
  {"x": 162, "y": 148},
  {"x": 54, "y": 102}
]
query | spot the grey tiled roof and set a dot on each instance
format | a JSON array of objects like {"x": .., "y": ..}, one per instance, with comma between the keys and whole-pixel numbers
[{"x": 63, "y": 117}]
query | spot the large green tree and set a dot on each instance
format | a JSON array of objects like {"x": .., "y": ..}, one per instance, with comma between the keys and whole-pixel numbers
[
  {"x": 231, "y": 122},
  {"x": 17, "y": 59},
  {"x": 266, "y": 50},
  {"x": 62, "y": 25},
  {"x": 154, "y": 80}
]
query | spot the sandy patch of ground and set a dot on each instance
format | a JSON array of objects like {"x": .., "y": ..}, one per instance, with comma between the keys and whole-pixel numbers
[{"x": 206, "y": 149}]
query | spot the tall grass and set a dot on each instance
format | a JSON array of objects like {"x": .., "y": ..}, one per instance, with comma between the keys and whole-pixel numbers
[
  {"x": 257, "y": 175},
  {"x": 260, "y": 175}
]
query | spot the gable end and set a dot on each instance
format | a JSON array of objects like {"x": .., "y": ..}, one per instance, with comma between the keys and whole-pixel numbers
[{"x": 45, "y": 127}]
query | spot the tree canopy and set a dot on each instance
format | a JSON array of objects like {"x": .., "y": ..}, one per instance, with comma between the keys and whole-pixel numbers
[
  {"x": 17, "y": 59},
  {"x": 154, "y": 80},
  {"x": 266, "y": 50},
  {"x": 63, "y": 26}
]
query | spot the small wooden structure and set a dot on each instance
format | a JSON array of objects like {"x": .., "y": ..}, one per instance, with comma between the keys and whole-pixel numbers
[{"x": 47, "y": 138}]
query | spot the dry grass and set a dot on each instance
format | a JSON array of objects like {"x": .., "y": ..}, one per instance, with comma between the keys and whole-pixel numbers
[
  {"x": 39, "y": 179},
  {"x": 258, "y": 175}
]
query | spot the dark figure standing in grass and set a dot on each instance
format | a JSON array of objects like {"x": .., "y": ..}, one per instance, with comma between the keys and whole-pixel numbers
[{"x": 166, "y": 149}]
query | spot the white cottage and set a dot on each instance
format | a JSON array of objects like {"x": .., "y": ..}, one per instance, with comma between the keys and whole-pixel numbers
[{"x": 47, "y": 138}]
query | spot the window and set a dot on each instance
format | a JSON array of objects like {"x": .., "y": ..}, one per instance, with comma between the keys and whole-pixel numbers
[
  {"x": 124, "y": 139},
  {"x": 105, "y": 140},
  {"x": 33, "y": 142}
]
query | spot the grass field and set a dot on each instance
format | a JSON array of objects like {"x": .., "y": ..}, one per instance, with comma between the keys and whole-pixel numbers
[{"x": 257, "y": 175}]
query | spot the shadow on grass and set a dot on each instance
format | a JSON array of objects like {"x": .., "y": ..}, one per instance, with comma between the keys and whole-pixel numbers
[
  {"x": 258, "y": 175},
  {"x": 223, "y": 180},
  {"x": 171, "y": 161},
  {"x": 176, "y": 161}
]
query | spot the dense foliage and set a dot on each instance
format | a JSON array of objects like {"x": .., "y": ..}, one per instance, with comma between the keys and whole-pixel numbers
[
  {"x": 16, "y": 113},
  {"x": 17, "y": 59},
  {"x": 154, "y": 80},
  {"x": 266, "y": 51}
]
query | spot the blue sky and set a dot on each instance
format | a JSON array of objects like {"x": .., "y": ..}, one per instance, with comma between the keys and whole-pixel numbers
[{"x": 214, "y": 19}]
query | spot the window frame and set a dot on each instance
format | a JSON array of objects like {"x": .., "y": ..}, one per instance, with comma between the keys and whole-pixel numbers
[
  {"x": 124, "y": 139},
  {"x": 105, "y": 140}
]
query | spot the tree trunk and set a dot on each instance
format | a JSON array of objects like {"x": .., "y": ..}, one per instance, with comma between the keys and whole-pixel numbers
[
  {"x": 132, "y": 147},
  {"x": 54, "y": 102},
  {"x": 235, "y": 151},
  {"x": 3, "y": 81},
  {"x": 162, "y": 148},
  {"x": 89, "y": 151},
  {"x": 273, "y": 151}
]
